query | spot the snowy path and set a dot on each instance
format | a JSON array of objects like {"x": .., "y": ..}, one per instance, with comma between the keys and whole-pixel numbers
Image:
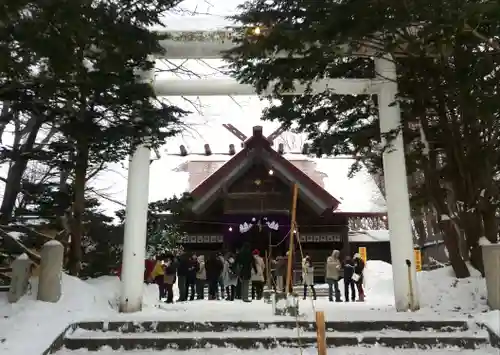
[{"x": 291, "y": 351}]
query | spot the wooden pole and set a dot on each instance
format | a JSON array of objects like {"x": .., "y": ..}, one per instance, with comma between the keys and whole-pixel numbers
[
  {"x": 321, "y": 332},
  {"x": 292, "y": 234},
  {"x": 267, "y": 268},
  {"x": 269, "y": 263}
]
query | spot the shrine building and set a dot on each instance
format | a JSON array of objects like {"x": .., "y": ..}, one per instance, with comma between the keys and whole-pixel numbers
[{"x": 245, "y": 195}]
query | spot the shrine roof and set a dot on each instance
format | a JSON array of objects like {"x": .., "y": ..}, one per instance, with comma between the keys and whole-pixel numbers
[
  {"x": 258, "y": 148},
  {"x": 357, "y": 194}
]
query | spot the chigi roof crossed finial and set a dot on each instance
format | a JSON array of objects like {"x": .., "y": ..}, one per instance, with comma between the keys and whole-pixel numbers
[
  {"x": 243, "y": 137},
  {"x": 326, "y": 178}
]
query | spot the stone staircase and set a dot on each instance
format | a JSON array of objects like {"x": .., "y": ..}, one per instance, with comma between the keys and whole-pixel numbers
[
  {"x": 183, "y": 336},
  {"x": 299, "y": 289}
]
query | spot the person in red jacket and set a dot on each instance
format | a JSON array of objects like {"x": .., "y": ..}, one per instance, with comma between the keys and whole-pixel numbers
[
  {"x": 148, "y": 269},
  {"x": 149, "y": 265}
]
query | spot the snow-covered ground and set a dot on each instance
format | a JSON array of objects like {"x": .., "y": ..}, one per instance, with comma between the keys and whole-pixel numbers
[{"x": 442, "y": 297}]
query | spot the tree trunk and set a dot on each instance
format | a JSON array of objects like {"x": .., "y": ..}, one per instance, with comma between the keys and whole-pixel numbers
[
  {"x": 420, "y": 229},
  {"x": 490, "y": 224},
  {"x": 81, "y": 164},
  {"x": 431, "y": 167},
  {"x": 15, "y": 174},
  {"x": 476, "y": 258},
  {"x": 451, "y": 242}
]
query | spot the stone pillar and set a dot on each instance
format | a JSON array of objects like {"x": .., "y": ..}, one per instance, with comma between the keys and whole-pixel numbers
[
  {"x": 49, "y": 283},
  {"x": 396, "y": 188},
  {"x": 491, "y": 260},
  {"x": 21, "y": 273}
]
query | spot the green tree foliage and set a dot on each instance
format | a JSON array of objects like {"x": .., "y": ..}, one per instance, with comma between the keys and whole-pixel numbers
[
  {"x": 448, "y": 82},
  {"x": 78, "y": 65},
  {"x": 102, "y": 245},
  {"x": 166, "y": 240},
  {"x": 167, "y": 221}
]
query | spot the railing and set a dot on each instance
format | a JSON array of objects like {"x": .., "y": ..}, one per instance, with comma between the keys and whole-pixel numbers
[{"x": 4, "y": 271}]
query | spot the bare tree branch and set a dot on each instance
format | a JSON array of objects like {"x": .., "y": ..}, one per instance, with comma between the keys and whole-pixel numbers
[
  {"x": 105, "y": 196},
  {"x": 490, "y": 41}
]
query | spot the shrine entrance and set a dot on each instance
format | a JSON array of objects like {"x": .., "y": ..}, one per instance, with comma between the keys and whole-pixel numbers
[
  {"x": 257, "y": 240},
  {"x": 259, "y": 232}
]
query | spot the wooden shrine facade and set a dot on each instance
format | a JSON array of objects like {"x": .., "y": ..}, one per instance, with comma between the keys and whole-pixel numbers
[{"x": 249, "y": 199}]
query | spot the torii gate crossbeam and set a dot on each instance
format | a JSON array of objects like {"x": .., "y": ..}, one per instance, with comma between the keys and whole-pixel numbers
[{"x": 209, "y": 45}]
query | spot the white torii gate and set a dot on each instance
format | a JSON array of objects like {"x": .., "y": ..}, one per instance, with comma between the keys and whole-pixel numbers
[{"x": 210, "y": 45}]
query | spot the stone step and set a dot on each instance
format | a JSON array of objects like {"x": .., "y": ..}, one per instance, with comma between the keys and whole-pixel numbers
[
  {"x": 160, "y": 335},
  {"x": 320, "y": 292},
  {"x": 94, "y": 341},
  {"x": 124, "y": 327},
  {"x": 311, "y": 349}
]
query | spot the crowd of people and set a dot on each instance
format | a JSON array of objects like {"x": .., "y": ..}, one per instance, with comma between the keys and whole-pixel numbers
[
  {"x": 350, "y": 270},
  {"x": 230, "y": 276},
  {"x": 242, "y": 275}
]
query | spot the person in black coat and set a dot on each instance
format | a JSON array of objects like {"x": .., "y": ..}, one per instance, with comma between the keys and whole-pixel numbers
[
  {"x": 348, "y": 267},
  {"x": 245, "y": 262},
  {"x": 213, "y": 268},
  {"x": 182, "y": 273},
  {"x": 192, "y": 268}
]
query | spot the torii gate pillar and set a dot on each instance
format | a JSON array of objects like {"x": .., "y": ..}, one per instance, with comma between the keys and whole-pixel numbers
[
  {"x": 396, "y": 191},
  {"x": 136, "y": 220}
]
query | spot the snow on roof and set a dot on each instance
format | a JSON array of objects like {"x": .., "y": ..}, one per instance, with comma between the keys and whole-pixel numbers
[
  {"x": 16, "y": 235},
  {"x": 369, "y": 236}
]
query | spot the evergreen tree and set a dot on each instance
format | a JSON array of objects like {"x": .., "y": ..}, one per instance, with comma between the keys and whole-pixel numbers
[
  {"x": 80, "y": 66},
  {"x": 448, "y": 80},
  {"x": 167, "y": 224}
]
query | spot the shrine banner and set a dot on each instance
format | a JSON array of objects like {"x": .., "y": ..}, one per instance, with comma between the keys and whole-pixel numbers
[{"x": 237, "y": 227}]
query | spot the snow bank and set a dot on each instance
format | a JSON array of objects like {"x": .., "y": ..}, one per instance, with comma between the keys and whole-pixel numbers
[
  {"x": 492, "y": 320},
  {"x": 90, "y": 299},
  {"x": 44, "y": 321},
  {"x": 109, "y": 288},
  {"x": 441, "y": 291},
  {"x": 378, "y": 279}
]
